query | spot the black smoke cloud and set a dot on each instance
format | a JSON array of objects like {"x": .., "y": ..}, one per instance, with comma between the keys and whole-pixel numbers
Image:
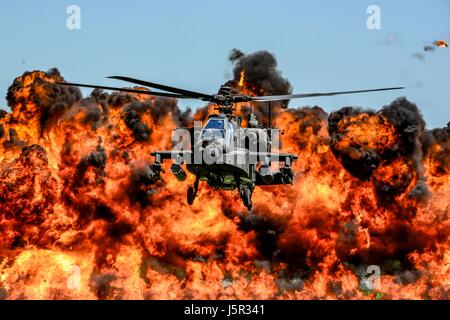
[
  {"x": 263, "y": 78},
  {"x": 409, "y": 123},
  {"x": 421, "y": 55},
  {"x": 87, "y": 112},
  {"x": 36, "y": 94},
  {"x": 132, "y": 114},
  {"x": 261, "y": 70},
  {"x": 51, "y": 99},
  {"x": 371, "y": 161},
  {"x": 359, "y": 159},
  {"x": 158, "y": 109},
  {"x": 436, "y": 148}
]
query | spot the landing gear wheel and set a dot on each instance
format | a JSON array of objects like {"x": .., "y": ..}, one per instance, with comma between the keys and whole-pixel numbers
[
  {"x": 245, "y": 192},
  {"x": 190, "y": 195},
  {"x": 247, "y": 198}
]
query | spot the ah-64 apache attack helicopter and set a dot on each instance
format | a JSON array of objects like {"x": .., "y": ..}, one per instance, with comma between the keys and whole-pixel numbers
[{"x": 223, "y": 153}]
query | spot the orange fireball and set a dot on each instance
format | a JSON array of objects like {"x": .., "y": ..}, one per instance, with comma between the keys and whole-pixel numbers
[
  {"x": 82, "y": 217},
  {"x": 441, "y": 44}
]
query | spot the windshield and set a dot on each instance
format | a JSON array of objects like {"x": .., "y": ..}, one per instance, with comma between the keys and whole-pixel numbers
[
  {"x": 214, "y": 128},
  {"x": 214, "y": 124}
]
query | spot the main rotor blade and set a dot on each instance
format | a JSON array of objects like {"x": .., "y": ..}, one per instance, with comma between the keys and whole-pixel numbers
[
  {"x": 193, "y": 94},
  {"x": 152, "y": 93},
  {"x": 318, "y": 94}
]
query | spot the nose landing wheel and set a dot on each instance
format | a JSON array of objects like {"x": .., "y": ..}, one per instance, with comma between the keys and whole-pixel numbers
[
  {"x": 246, "y": 195},
  {"x": 192, "y": 191},
  {"x": 190, "y": 195}
]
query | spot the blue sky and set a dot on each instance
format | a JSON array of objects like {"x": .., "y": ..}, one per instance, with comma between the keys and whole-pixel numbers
[{"x": 320, "y": 45}]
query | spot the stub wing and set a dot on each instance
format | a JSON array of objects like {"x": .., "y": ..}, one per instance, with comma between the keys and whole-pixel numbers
[
  {"x": 172, "y": 155},
  {"x": 274, "y": 157},
  {"x": 187, "y": 156}
]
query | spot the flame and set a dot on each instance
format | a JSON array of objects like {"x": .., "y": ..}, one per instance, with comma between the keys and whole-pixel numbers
[
  {"x": 81, "y": 216},
  {"x": 440, "y": 44},
  {"x": 241, "y": 78}
]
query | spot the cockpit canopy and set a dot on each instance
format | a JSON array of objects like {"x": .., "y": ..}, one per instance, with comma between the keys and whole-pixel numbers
[{"x": 217, "y": 128}]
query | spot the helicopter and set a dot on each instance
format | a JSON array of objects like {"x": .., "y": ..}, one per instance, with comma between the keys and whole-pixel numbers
[{"x": 223, "y": 153}]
